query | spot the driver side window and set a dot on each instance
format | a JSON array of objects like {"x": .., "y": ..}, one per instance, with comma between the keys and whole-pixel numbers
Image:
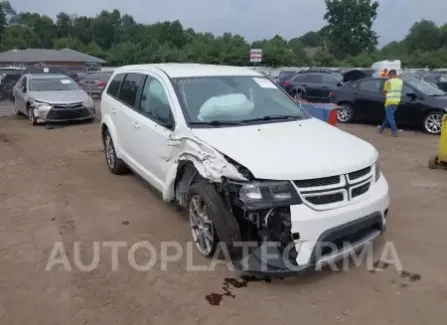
[{"x": 154, "y": 101}]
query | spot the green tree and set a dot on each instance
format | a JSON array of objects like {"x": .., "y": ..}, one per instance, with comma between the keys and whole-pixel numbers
[
  {"x": 349, "y": 30},
  {"x": 423, "y": 35}
]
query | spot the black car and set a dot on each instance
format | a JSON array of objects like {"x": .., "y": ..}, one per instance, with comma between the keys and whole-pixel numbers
[
  {"x": 437, "y": 79},
  {"x": 7, "y": 82},
  {"x": 422, "y": 104},
  {"x": 313, "y": 86},
  {"x": 285, "y": 75}
]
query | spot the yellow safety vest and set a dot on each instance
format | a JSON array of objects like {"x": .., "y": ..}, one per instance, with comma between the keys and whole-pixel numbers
[{"x": 394, "y": 91}]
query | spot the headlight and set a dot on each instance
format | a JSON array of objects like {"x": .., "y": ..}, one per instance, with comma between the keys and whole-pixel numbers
[
  {"x": 377, "y": 171},
  {"x": 268, "y": 194},
  {"x": 89, "y": 102},
  {"x": 38, "y": 103}
]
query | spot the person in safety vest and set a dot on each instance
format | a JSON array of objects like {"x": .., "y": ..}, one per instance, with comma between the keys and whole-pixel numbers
[
  {"x": 393, "y": 94},
  {"x": 384, "y": 73}
]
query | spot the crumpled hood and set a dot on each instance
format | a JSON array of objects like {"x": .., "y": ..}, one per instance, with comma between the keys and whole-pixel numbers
[
  {"x": 60, "y": 97},
  {"x": 291, "y": 150}
]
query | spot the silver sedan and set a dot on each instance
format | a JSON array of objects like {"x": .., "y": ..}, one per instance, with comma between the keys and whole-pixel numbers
[{"x": 52, "y": 98}]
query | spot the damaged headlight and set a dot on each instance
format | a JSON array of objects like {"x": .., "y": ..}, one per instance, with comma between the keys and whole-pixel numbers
[
  {"x": 377, "y": 171},
  {"x": 266, "y": 194}
]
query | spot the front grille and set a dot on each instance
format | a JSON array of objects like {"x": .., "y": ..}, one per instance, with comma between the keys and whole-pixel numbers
[
  {"x": 73, "y": 105},
  {"x": 360, "y": 190},
  {"x": 359, "y": 173},
  {"x": 325, "y": 198},
  {"x": 68, "y": 114},
  {"x": 317, "y": 182}
]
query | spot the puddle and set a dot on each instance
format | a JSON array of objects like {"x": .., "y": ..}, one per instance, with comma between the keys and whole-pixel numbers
[{"x": 214, "y": 299}]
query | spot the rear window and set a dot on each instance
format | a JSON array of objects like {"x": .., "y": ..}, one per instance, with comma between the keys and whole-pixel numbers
[
  {"x": 285, "y": 74},
  {"x": 115, "y": 84},
  {"x": 99, "y": 76},
  {"x": 130, "y": 87}
]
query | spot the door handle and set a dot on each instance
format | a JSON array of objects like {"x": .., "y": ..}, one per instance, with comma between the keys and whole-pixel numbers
[
  {"x": 113, "y": 110},
  {"x": 136, "y": 125}
]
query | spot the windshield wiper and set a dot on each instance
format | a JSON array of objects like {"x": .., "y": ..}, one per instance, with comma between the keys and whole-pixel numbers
[
  {"x": 215, "y": 123},
  {"x": 273, "y": 117}
]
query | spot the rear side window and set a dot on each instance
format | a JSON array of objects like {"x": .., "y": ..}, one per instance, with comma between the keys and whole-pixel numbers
[
  {"x": 130, "y": 88},
  {"x": 371, "y": 86},
  {"x": 115, "y": 85},
  {"x": 314, "y": 78}
]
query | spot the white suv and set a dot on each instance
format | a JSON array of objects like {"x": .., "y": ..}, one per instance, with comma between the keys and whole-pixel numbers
[{"x": 246, "y": 162}]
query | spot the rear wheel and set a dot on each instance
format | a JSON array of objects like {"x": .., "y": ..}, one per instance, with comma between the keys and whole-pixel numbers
[
  {"x": 432, "y": 122},
  {"x": 345, "y": 113},
  {"x": 115, "y": 164}
]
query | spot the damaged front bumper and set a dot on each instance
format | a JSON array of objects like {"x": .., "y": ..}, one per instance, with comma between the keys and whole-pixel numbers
[
  {"x": 334, "y": 245},
  {"x": 299, "y": 238}
]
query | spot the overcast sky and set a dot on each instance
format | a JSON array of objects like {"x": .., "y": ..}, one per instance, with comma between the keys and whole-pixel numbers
[{"x": 254, "y": 19}]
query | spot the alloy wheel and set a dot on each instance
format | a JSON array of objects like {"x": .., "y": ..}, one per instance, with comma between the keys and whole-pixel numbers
[
  {"x": 201, "y": 226},
  {"x": 433, "y": 123},
  {"x": 344, "y": 113},
  {"x": 110, "y": 151}
]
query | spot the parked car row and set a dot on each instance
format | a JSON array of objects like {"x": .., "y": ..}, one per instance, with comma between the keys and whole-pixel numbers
[
  {"x": 422, "y": 105},
  {"x": 360, "y": 96}
]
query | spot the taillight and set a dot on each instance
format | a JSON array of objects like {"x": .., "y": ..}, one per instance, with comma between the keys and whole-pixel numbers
[
  {"x": 333, "y": 117},
  {"x": 286, "y": 83},
  {"x": 101, "y": 83}
]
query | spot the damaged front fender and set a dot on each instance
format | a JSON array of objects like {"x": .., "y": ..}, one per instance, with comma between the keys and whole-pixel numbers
[{"x": 209, "y": 162}]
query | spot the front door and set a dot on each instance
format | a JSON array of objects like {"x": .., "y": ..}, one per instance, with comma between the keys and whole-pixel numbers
[
  {"x": 156, "y": 125},
  {"x": 411, "y": 108}
]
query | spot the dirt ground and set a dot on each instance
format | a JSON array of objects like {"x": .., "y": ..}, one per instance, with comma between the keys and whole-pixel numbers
[{"x": 55, "y": 187}]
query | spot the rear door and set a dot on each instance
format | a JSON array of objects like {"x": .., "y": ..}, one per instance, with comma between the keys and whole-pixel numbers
[
  {"x": 126, "y": 118},
  {"x": 369, "y": 100},
  {"x": 312, "y": 84}
]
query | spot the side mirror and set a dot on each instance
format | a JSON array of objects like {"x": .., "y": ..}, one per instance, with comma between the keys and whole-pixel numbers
[
  {"x": 412, "y": 95},
  {"x": 340, "y": 83}
]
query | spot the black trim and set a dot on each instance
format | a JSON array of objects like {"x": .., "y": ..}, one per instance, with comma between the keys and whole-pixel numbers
[{"x": 253, "y": 264}]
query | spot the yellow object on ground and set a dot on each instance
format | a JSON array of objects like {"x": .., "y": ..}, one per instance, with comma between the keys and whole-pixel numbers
[
  {"x": 440, "y": 160},
  {"x": 442, "y": 155}
]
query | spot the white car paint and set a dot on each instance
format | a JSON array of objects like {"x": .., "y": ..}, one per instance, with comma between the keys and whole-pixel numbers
[{"x": 297, "y": 150}]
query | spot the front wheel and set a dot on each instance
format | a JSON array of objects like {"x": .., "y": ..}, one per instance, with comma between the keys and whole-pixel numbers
[
  {"x": 345, "y": 113},
  {"x": 211, "y": 221},
  {"x": 432, "y": 123},
  {"x": 31, "y": 117}
]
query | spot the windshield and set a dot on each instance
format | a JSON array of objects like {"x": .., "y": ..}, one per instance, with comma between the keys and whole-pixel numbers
[
  {"x": 337, "y": 75},
  {"x": 49, "y": 84},
  {"x": 234, "y": 100},
  {"x": 424, "y": 87}
]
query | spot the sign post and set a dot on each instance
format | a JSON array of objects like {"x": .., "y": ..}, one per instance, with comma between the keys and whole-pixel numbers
[{"x": 255, "y": 56}]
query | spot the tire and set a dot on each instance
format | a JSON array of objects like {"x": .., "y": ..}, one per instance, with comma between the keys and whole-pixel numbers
[
  {"x": 433, "y": 162},
  {"x": 297, "y": 94},
  {"x": 223, "y": 226},
  {"x": 31, "y": 117},
  {"x": 16, "y": 109},
  {"x": 345, "y": 113},
  {"x": 432, "y": 123},
  {"x": 115, "y": 164}
]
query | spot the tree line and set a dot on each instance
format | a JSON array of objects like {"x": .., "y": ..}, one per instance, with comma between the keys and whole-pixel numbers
[{"x": 347, "y": 39}]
